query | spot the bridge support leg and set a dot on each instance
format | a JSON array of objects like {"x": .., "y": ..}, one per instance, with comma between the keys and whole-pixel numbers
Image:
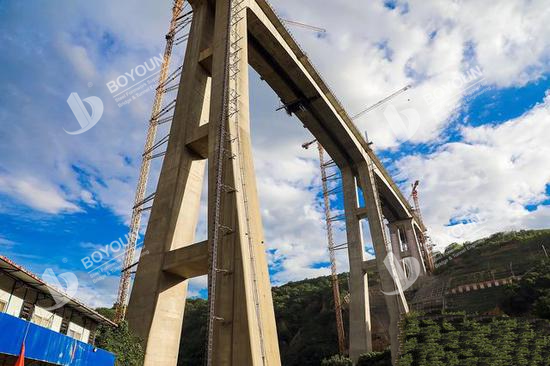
[
  {"x": 395, "y": 298},
  {"x": 360, "y": 338},
  {"x": 414, "y": 245},
  {"x": 244, "y": 330},
  {"x": 402, "y": 231},
  {"x": 156, "y": 308},
  {"x": 396, "y": 247}
]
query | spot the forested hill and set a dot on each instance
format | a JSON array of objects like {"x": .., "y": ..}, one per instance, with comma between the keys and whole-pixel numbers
[
  {"x": 304, "y": 309},
  {"x": 305, "y": 323}
]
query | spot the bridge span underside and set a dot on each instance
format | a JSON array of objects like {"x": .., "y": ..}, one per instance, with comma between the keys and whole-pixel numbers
[{"x": 212, "y": 121}]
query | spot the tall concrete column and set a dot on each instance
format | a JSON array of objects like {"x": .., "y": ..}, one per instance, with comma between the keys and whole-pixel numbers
[
  {"x": 157, "y": 301},
  {"x": 360, "y": 338},
  {"x": 396, "y": 303},
  {"x": 244, "y": 332},
  {"x": 413, "y": 244},
  {"x": 395, "y": 240}
]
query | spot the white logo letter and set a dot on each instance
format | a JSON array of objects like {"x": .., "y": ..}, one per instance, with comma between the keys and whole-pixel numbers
[
  {"x": 85, "y": 120},
  {"x": 70, "y": 290},
  {"x": 113, "y": 87},
  {"x": 398, "y": 274},
  {"x": 403, "y": 131}
]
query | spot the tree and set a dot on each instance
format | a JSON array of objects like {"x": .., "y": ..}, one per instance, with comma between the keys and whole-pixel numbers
[
  {"x": 375, "y": 359},
  {"x": 337, "y": 360},
  {"x": 531, "y": 295},
  {"x": 122, "y": 342}
]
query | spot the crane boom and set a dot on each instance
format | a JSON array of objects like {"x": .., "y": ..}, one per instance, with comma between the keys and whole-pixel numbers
[
  {"x": 305, "y": 26},
  {"x": 135, "y": 222},
  {"x": 425, "y": 241},
  {"x": 380, "y": 102}
]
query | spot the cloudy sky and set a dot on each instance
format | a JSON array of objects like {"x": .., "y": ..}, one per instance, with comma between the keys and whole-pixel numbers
[{"x": 473, "y": 127}]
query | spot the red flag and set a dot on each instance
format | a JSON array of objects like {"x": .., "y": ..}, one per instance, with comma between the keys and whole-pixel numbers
[{"x": 21, "y": 358}]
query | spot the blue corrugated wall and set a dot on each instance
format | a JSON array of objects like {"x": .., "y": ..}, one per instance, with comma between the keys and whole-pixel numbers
[{"x": 46, "y": 345}]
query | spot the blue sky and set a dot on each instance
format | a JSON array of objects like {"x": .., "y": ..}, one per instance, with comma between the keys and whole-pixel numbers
[{"x": 477, "y": 141}]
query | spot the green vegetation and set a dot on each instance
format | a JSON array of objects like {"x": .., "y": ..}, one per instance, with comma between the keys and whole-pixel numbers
[
  {"x": 109, "y": 313},
  {"x": 500, "y": 254},
  {"x": 478, "y": 302},
  {"x": 193, "y": 343},
  {"x": 337, "y": 360},
  {"x": 120, "y": 341},
  {"x": 457, "y": 340},
  {"x": 375, "y": 359},
  {"x": 367, "y": 359},
  {"x": 304, "y": 313},
  {"x": 307, "y": 332},
  {"x": 531, "y": 295}
]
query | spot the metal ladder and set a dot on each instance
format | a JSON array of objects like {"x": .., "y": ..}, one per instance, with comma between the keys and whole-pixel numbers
[
  {"x": 392, "y": 269},
  {"x": 230, "y": 111}
]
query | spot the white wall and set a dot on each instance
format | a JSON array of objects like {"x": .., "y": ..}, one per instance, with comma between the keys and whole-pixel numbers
[
  {"x": 56, "y": 325},
  {"x": 77, "y": 328},
  {"x": 86, "y": 336},
  {"x": 14, "y": 303},
  {"x": 55, "y": 319}
]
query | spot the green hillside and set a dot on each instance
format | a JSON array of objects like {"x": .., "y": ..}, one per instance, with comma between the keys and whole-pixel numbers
[
  {"x": 304, "y": 309},
  {"x": 305, "y": 323},
  {"x": 502, "y": 254},
  {"x": 459, "y": 340}
]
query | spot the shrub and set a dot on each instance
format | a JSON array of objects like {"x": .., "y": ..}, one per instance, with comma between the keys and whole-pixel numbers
[
  {"x": 337, "y": 360},
  {"x": 375, "y": 359},
  {"x": 122, "y": 342}
]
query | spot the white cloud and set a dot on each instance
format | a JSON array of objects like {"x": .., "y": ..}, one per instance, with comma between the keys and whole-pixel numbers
[
  {"x": 5, "y": 243},
  {"x": 80, "y": 60},
  {"x": 376, "y": 51},
  {"x": 38, "y": 195},
  {"x": 487, "y": 179},
  {"x": 368, "y": 53},
  {"x": 87, "y": 197}
]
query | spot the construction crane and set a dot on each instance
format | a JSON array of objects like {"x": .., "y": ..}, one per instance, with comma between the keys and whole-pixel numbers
[
  {"x": 305, "y": 26},
  {"x": 425, "y": 245},
  {"x": 414, "y": 195},
  {"x": 331, "y": 249},
  {"x": 380, "y": 102},
  {"x": 139, "y": 199},
  {"x": 331, "y": 246}
]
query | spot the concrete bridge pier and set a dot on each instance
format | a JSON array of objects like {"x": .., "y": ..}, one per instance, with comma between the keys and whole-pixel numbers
[
  {"x": 361, "y": 177},
  {"x": 405, "y": 243}
]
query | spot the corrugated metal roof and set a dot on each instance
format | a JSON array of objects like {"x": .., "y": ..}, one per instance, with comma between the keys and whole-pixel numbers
[{"x": 32, "y": 280}]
